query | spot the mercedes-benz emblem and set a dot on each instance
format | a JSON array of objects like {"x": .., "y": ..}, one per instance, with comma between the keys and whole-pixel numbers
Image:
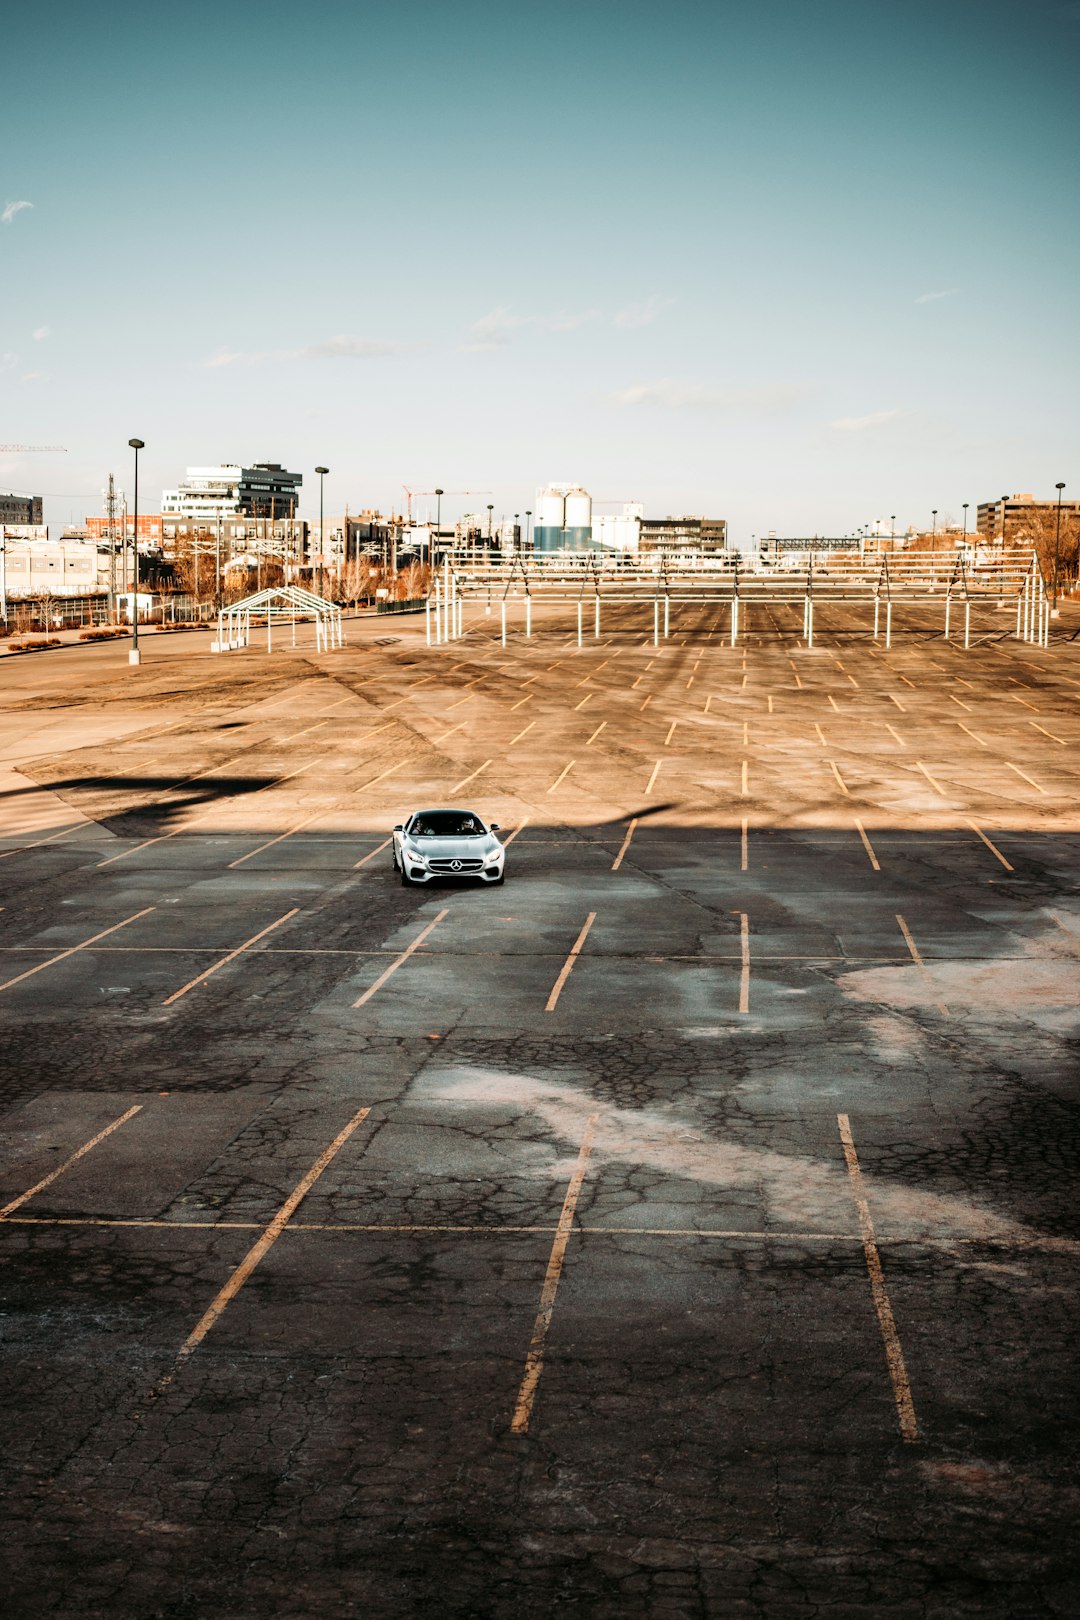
[{"x": 455, "y": 866}]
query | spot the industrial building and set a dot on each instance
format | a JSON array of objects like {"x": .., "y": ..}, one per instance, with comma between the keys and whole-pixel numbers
[
  {"x": 22, "y": 509},
  {"x": 1016, "y": 516},
  {"x": 684, "y": 534},
  {"x": 563, "y": 519},
  {"x": 265, "y": 490}
]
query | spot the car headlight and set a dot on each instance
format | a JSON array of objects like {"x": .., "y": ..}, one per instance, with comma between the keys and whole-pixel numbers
[{"x": 415, "y": 854}]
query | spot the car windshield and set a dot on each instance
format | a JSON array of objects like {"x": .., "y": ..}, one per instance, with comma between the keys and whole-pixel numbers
[{"x": 446, "y": 824}]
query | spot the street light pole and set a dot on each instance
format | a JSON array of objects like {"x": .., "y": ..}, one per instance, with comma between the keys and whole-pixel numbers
[
  {"x": 965, "y": 522},
  {"x": 489, "y": 522},
  {"x": 438, "y": 517},
  {"x": 1001, "y": 565},
  {"x": 1057, "y": 545},
  {"x": 134, "y": 656},
  {"x": 322, "y": 471},
  {"x": 933, "y": 514},
  {"x": 528, "y": 529}
]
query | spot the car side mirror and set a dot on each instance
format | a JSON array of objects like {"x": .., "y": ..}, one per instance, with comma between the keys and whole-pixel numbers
[
  {"x": 494, "y": 826},
  {"x": 398, "y": 827}
]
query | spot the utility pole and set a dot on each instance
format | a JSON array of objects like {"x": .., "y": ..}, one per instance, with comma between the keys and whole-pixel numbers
[{"x": 110, "y": 516}]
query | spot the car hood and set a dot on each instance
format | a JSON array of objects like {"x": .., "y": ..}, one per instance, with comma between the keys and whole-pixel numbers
[{"x": 452, "y": 849}]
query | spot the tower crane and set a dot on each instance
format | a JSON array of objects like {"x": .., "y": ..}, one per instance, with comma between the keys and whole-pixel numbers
[
  {"x": 26, "y": 449},
  {"x": 418, "y": 492}
]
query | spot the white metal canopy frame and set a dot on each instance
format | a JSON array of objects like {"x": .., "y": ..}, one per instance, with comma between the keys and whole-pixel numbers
[
  {"x": 593, "y": 582},
  {"x": 288, "y": 604}
]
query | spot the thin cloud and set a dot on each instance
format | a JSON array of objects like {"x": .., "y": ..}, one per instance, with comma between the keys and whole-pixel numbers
[
  {"x": 671, "y": 395},
  {"x": 932, "y": 297},
  {"x": 36, "y": 376},
  {"x": 40, "y": 333},
  {"x": 8, "y": 361},
  {"x": 860, "y": 424},
  {"x": 632, "y": 316},
  {"x": 496, "y": 329},
  {"x": 347, "y": 348},
  {"x": 11, "y": 209}
]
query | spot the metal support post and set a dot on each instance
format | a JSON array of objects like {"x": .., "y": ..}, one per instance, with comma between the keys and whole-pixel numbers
[
  {"x": 528, "y": 615},
  {"x": 596, "y": 618},
  {"x": 734, "y": 620},
  {"x": 948, "y": 605},
  {"x": 877, "y": 613},
  {"x": 579, "y": 623},
  {"x": 809, "y": 621},
  {"x": 967, "y": 624},
  {"x": 427, "y": 620},
  {"x": 888, "y": 623},
  {"x": 502, "y": 609},
  {"x": 656, "y": 621},
  {"x": 1021, "y": 625},
  {"x": 667, "y": 616}
]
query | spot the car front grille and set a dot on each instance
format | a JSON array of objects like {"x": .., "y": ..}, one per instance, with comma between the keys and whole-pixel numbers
[{"x": 454, "y": 867}]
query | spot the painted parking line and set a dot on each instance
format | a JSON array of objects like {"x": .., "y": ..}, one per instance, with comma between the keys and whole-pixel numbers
[
  {"x": 399, "y": 960},
  {"x": 934, "y": 783},
  {"x": 916, "y": 957},
  {"x": 841, "y": 784},
  {"x": 586, "y": 699},
  {"x": 896, "y": 734},
  {"x": 744, "y": 974},
  {"x": 867, "y": 845},
  {"x": 230, "y": 957},
  {"x": 1029, "y": 779},
  {"x": 562, "y": 774},
  {"x": 822, "y": 739},
  {"x": 526, "y": 699},
  {"x": 744, "y": 856},
  {"x": 520, "y": 828},
  {"x": 1052, "y": 735},
  {"x": 73, "y": 827},
  {"x": 370, "y": 856},
  {"x": 991, "y": 847},
  {"x": 568, "y": 965},
  {"x": 17, "y": 1203},
  {"x": 389, "y": 771},
  {"x": 973, "y": 734},
  {"x": 1024, "y": 701},
  {"x": 671, "y": 733},
  {"x": 465, "y": 780},
  {"x": 894, "y": 1355},
  {"x": 652, "y": 778},
  {"x": 534, "y": 1362},
  {"x": 597, "y": 732},
  {"x": 624, "y": 846},
  {"x": 521, "y": 734},
  {"x": 444, "y": 734},
  {"x": 259, "y": 1250},
  {"x": 271, "y": 841},
  {"x": 73, "y": 950}
]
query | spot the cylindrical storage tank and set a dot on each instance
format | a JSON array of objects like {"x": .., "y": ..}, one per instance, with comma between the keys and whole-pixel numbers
[
  {"x": 578, "y": 519},
  {"x": 550, "y": 520}
]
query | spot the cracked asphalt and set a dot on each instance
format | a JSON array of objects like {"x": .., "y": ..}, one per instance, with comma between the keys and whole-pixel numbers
[{"x": 686, "y": 1228}]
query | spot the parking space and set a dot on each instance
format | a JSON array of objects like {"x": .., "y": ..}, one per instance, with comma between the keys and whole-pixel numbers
[{"x": 710, "y": 1176}]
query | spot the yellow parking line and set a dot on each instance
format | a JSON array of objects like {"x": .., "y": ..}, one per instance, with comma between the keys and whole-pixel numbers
[
  {"x": 645, "y": 702},
  {"x": 954, "y": 699},
  {"x": 1024, "y": 701},
  {"x": 839, "y": 779},
  {"x": 568, "y": 965},
  {"x": 444, "y": 734},
  {"x": 398, "y": 960},
  {"x": 671, "y": 733},
  {"x": 744, "y": 975},
  {"x": 624, "y": 846},
  {"x": 389, "y": 771},
  {"x": 586, "y": 699},
  {"x": 526, "y": 699},
  {"x": 520, "y": 828},
  {"x": 465, "y": 780},
  {"x": 822, "y": 739},
  {"x": 17, "y": 1203},
  {"x": 597, "y": 732},
  {"x": 744, "y": 857},
  {"x": 260, "y": 1249},
  {"x": 52, "y": 836},
  {"x": 1053, "y": 737},
  {"x": 894, "y": 1355},
  {"x": 73, "y": 950},
  {"x": 562, "y": 774},
  {"x": 868, "y": 845},
  {"x": 534, "y": 1362},
  {"x": 521, "y": 734},
  {"x": 921, "y": 965},
  {"x": 894, "y": 699},
  {"x": 1025, "y": 776},
  {"x": 229, "y": 958},
  {"x": 652, "y": 778},
  {"x": 896, "y": 734},
  {"x": 934, "y": 783},
  {"x": 279, "y": 839},
  {"x": 370, "y": 856},
  {"x": 973, "y": 734},
  {"x": 991, "y": 847}
]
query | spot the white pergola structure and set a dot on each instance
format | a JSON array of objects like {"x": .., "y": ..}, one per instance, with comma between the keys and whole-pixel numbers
[
  {"x": 288, "y": 604},
  {"x": 593, "y": 583}
]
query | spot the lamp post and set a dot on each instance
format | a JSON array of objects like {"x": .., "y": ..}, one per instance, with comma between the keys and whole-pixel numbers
[
  {"x": 528, "y": 529},
  {"x": 134, "y": 656},
  {"x": 439, "y": 493},
  {"x": 892, "y": 530},
  {"x": 1001, "y": 565},
  {"x": 490, "y": 509},
  {"x": 1057, "y": 546},
  {"x": 965, "y": 522},
  {"x": 322, "y": 472},
  {"x": 933, "y": 514}
]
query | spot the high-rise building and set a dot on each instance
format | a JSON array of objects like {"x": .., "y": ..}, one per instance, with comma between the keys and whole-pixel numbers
[
  {"x": 21, "y": 509},
  {"x": 264, "y": 490},
  {"x": 1019, "y": 514},
  {"x": 683, "y": 534}
]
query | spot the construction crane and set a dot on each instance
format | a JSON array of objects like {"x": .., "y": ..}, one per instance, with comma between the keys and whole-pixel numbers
[
  {"x": 418, "y": 492},
  {"x": 25, "y": 449}
]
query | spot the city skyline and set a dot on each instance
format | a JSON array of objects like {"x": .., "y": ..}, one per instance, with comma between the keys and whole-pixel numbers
[{"x": 792, "y": 269}]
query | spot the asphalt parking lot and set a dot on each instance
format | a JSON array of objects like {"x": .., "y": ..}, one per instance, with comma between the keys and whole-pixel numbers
[{"x": 685, "y": 1228}]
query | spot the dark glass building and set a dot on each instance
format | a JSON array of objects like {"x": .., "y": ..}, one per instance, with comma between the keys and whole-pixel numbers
[{"x": 266, "y": 490}]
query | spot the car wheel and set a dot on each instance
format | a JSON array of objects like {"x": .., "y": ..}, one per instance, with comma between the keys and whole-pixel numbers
[{"x": 406, "y": 880}]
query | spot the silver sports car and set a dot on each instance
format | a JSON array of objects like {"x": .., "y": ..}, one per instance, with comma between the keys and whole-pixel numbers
[{"x": 447, "y": 844}]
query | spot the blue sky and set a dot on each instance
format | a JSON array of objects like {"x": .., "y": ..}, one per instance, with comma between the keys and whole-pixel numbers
[{"x": 797, "y": 265}]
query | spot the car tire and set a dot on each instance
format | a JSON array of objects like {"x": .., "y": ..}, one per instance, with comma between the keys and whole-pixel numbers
[{"x": 406, "y": 880}]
